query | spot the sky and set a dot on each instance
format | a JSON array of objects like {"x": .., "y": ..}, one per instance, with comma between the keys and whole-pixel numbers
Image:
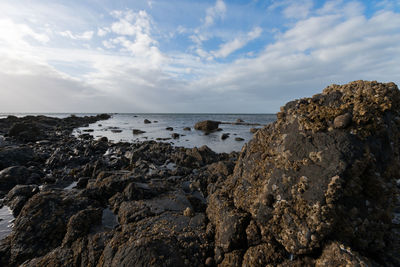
[{"x": 189, "y": 56}]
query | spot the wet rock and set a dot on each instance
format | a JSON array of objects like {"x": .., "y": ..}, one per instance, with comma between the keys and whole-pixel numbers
[
  {"x": 207, "y": 126},
  {"x": 169, "y": 129},
  {"x": 116, "y": 131},
  {"x": 44, "y": 217},
  {"x": 18, "y": 196},
  {"x": 239, "y": 139},
  {"x": 146, "y": 121},
  {"x": 187, "y": 129},
  {"x": 137, "y": 131},
  {"x": 175, "y": 135},
  {"x": 224, "y": 136},
  {"x": 305, "y": 182},
  {"x": 239, "y": 120}
]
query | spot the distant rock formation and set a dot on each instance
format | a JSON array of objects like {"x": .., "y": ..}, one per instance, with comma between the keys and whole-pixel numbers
[
  {"x": 207, "y": 126},
  {"x": 318, "y": 186}
]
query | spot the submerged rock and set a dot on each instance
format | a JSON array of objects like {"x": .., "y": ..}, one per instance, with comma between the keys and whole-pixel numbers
[
  {"x": 137, "y": 131},
  {"x": 313, "y": 177}
]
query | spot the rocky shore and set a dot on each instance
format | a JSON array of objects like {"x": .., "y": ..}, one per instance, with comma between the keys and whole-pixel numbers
[{"x": 318, "y": 187}]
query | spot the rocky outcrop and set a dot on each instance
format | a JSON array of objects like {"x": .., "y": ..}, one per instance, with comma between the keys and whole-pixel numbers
[
  {"x": 316, "y": 187},
  {"x": 207, "y": 126}
]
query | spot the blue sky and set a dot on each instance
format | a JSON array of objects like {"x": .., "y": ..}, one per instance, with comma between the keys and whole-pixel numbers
[{"x": 189, "y": 56}]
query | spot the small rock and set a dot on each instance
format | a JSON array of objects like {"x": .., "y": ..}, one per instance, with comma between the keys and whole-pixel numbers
[
  {"x": 137, "y": 131},
  {"x": 103, "y": 139},
  {"x": 253, "y": 130},
  {"x": 239, "y": 120},
  {"x": 239, "y": 139},
  {"x": 169, "y": 129},
  {"x": 175, "y": 135},
  {"x": 342, "y": 121},
  {"x": 188, "y": 212},
  {"x": 224, "y": 136},
  {"x": 187, "y": 129},
  {"x": 210, "y": 261},
  {"x": 146, "y": 121}
]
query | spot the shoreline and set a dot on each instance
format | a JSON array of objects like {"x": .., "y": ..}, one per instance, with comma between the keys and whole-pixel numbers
[{"x": 318, "y": 187}]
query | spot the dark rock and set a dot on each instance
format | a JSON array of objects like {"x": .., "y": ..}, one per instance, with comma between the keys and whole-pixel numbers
[
  {"x": 137, "y": 131},
  {"x": 28, "y": 132},
  {"x": 82, "y": 182},
  {"x": 44, "y": 217},
  {"x": 169, "y": 129},
  {"x": 239, "y": 139},
  {"x": 80, "y": 224},
  {"x": 239, "y": 120},
  {"x": 88, "y": 130},
  {"x": 187, "y": 129},
  {"x": 146, "y": 121},
  {"x": 207, "y": 126},
  {"x": 103, "y": 139},
  {"x": 18, "y": 196},
  {"x": 342, "y": 121},
  {"x": 14, "y": 156},
  {"x": 86, "y": 136},
  {"x": 116, "y": 131},
  {"x": 224, "y": 136},
  {"x": 175, "y": 135},
  {"x": 12, "y": 176}
]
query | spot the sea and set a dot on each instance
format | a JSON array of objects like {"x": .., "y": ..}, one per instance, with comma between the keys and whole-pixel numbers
[{"x": 120, "y": 126}]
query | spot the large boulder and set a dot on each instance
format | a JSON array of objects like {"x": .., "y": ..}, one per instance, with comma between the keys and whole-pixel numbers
[
  {"x": 12, "y": 156},
  {"x": 324, "y": 172},
  {"x": 207, "y": 126},
  {"x": 12, "y": 176},
  {"x": 45, "y": 220},
  {"x": 25, "y": 131}
]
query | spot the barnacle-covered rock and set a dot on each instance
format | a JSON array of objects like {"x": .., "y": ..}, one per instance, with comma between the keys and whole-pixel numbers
[{"x": 325, "y": 171}]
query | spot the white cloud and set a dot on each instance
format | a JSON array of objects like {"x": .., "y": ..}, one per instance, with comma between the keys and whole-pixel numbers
[
  {"x": 103, "y": 31},
  {"x": 239, "y": 42},
  {"x": 212, "y": 13},
  {"x": 83, "y": 36},
  {"x": 298, "y": 9},
  {"x": 12, "y": 32},
  {"x": 135, "y": 30},
  {"x": 131, "y": 23}
]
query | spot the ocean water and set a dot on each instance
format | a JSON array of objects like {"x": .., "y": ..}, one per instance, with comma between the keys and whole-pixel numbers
[{"x": 120, "y": 126}]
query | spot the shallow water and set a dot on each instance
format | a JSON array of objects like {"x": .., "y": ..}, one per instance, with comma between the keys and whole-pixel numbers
[
  {"x": 6, "y": 220},
  {"x": 120, "y": 126}
]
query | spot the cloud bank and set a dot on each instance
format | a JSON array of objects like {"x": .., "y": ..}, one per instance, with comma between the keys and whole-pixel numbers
[{"x": 125, "y": 63}]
